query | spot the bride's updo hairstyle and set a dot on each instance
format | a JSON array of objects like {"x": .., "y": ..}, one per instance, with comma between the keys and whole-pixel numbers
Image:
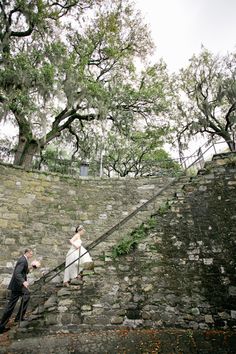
[{"x": 79, "y": 228}]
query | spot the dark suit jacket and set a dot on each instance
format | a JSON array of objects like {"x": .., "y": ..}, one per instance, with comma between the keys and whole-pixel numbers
[{"x": 19, "y": 275}]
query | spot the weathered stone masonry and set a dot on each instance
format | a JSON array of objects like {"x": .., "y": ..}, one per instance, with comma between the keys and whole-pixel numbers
[{"x": 181, "y": 275}]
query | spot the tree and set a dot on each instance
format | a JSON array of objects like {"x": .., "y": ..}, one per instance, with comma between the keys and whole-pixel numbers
[
  {"x": 206, "y": 97},
  {"x": 27, "y": 31},
  {"x": 68, "y": 63},
  {"x": 140, "y": 154}
]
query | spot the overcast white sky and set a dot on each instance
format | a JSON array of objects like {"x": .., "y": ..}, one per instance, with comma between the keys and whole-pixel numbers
[{"x": 180, "y": 27}]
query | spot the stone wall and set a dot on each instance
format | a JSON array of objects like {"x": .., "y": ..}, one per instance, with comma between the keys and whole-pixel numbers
[{"x": 181, "y": 275}]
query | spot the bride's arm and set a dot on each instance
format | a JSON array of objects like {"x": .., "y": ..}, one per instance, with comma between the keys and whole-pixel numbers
[{"x": 74, "y": 243}]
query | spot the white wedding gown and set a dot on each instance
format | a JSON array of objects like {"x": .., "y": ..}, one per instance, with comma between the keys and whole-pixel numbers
[{"x": 73, "y": 254}]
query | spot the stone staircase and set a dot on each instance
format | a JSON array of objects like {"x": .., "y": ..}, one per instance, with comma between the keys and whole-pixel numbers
[
  {"x": 58, "y": 309},
  {"x": 74, "y": 309},
  {"x": 152, "y": 198},
  {"x": 54, "y": 308}
]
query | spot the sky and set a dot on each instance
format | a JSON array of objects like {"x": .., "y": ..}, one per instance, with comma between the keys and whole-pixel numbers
[{"x": 180, "y": 27}]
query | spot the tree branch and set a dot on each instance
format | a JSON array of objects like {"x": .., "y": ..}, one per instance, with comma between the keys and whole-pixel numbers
[
  {"x": 227, "y": 117},
  {"x": 23, "y": 34},
  {"x": 72, "y": 132},
  {"x": 56, "y": 129}
]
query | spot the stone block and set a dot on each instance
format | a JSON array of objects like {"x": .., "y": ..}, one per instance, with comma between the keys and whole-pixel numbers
[
  {"x": 51, "y": 319},
  {"x": 208, "y": 261},
  {"x": 209, "y": 319},
  {"x": 232, "y": 290},
  {"x": 3, "y": 223},
  {"x": 86, "y": 308},
  {"x": 233, "y": 314},
  {"x": 195, "y": 311}
]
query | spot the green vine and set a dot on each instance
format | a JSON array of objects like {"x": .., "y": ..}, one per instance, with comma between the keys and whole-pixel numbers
[
  {"x": 164, "y": 208},
  {"x": 130, "y": 242}
]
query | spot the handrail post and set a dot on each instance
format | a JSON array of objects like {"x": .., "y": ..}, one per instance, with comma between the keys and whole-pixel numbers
[
  {"x": 201, "y": 158},
  {"x": 79, "y": 260},
  {"x": 214, "y": 147}
]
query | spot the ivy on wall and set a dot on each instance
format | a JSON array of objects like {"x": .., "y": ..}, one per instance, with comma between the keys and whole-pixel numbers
[{"x": 130, "y": 242}]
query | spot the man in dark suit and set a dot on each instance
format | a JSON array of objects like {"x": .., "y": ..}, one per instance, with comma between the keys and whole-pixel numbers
[{"x": 19, "y": 288}]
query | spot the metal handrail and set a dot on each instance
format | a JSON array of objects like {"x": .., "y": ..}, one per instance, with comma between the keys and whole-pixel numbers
[{"x": 208, "y": 146}]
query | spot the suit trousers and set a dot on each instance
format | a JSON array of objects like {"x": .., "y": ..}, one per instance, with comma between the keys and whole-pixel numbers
[{"x": 15, "y": 295}]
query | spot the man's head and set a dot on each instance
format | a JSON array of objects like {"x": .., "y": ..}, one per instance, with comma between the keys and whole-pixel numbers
[{"x": 28, "y": 253}]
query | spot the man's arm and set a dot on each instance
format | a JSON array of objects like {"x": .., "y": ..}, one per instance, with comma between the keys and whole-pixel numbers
[{"x": 19, "y": 270}]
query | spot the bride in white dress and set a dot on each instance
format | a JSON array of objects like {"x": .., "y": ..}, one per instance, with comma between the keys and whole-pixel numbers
[{"x": 76, "y": 250}]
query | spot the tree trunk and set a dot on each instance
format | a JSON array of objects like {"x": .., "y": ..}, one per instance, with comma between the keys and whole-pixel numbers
[
  {"x": 228, "y": 137},
  {"x": 25, "y": 152},
  {"x": 232, "y": 145}
]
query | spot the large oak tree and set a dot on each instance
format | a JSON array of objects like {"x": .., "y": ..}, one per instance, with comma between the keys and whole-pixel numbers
[
  {"x": 68, "y": 63},
  {"x": 205, "y": 98}
]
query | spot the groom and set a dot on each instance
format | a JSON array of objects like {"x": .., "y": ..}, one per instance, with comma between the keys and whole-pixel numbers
[{"x": 19, "y": 288}]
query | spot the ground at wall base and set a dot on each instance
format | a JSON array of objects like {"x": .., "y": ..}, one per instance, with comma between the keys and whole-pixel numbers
[{"x": 124, "y": 341}]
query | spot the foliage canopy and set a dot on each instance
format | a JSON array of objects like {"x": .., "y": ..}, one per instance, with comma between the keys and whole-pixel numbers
[
  {"x": 68, "y": 63},
  {"x": 205, "y": 97}
]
